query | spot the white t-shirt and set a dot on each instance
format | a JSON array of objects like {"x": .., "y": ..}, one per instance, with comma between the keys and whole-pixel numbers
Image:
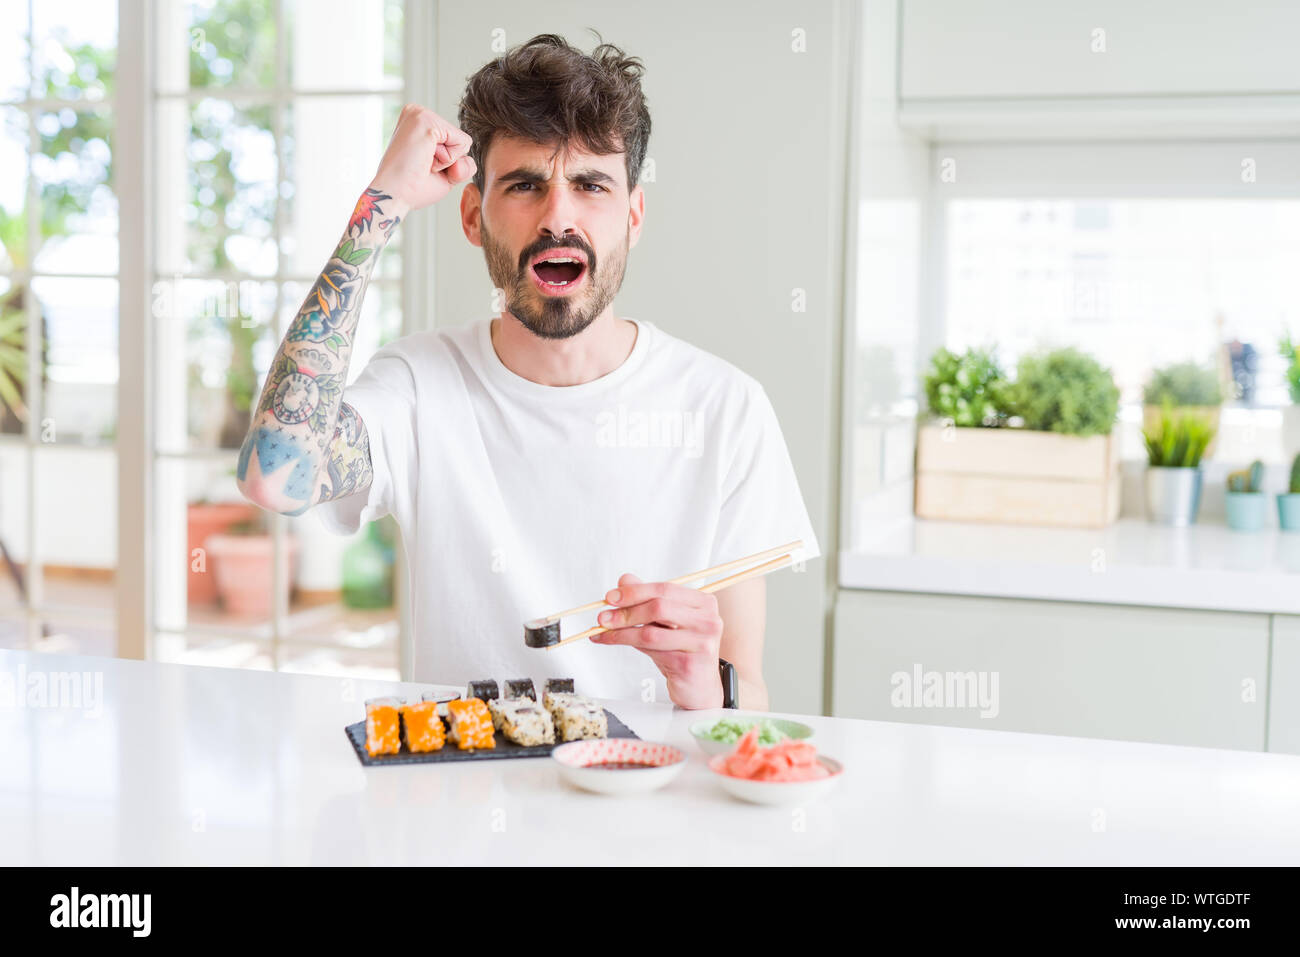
[{"x": 517, "y": 500}]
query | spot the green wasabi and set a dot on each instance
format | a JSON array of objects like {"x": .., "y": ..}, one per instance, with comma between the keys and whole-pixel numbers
[{"x": 729, "y": 731}]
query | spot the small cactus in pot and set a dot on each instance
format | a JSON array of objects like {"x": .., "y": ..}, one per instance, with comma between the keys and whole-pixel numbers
[
  {"x": 1245, "y": 505},
  {"x": 1288, "y": 502}
]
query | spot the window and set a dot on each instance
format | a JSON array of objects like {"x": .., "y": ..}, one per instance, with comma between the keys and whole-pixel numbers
[
  {"x": 58, "y": 327},
  {"x": 1139, "y": 283},
  {"x": 1143, "y": 253},
  {"x": 269, "y": 119}
]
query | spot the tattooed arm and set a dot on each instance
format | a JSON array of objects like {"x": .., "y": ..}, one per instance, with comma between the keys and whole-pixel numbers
[{"x": 305, "y": 445}]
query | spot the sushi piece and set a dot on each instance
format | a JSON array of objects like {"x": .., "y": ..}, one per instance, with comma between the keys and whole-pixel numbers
[
  {"x": 496, "y": 707},
  {"x": 521, "y": 688},
  {"x": 559, "y": 684},
  {"x": 383, "y": 726},
  {"x": 579, "y": 719},
  {"x": 441, "y": 698},
  {"x": 422, "y": 729},
  {"x": 541, "y": 632},
  {"x": 484, "y": 690},
  {"x": 552, "y": 701},
  {"x": 527, "y": 723},
  {"x": 471, "y": 724}
]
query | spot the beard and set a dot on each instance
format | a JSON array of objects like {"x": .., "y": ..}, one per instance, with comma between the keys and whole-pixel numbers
[{"x": 554, "y": 317}]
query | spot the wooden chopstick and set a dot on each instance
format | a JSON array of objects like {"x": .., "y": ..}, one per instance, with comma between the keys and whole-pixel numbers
[
  {"x": 702, "y": 573},
  {"x": 718, "y": 585}
]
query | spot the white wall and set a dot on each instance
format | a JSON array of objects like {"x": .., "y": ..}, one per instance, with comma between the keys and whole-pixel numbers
[
  {"x": 890, "y": 179},
  {"x": 749, "y": 152},
  {"x": 1032, "y": 48}
]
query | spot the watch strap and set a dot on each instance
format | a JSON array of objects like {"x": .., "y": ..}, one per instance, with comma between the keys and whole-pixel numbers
[{"x": 730, "y": 684}]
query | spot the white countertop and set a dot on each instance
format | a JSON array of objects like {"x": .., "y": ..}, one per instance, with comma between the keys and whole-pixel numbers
[
  {"x": 1131, "y": 562},
  {"x": 193, "y": 765}
]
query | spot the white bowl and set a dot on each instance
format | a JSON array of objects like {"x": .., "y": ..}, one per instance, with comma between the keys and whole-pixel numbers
[
  {"x": 699, "y": 731},
  {"x": 578, "y": 762},
  {"x": 784, "y": 793}
]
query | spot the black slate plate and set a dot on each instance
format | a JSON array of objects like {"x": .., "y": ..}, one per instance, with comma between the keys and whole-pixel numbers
[{"x": 449, "y": 752}]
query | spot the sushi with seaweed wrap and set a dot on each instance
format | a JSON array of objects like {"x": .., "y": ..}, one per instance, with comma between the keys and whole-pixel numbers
[
  {"x": 541, "y": 633},
  {"x": 521, "y": 688},
  {"x": 484, "y": 690},
  {"x": 559, "y": 684},
  {"x": 471, "y": 724}
]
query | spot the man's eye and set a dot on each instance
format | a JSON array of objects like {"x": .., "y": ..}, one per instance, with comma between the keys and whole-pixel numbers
[
  {"x": 595, "y": 186},
  {"x": 516, "y": 186}
]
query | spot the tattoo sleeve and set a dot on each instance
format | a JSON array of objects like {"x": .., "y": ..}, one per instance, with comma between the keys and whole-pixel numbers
[{"x": 305, "y": 445}]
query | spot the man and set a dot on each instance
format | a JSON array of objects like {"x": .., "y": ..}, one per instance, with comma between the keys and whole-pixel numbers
[{"x": 531, "y": 458}]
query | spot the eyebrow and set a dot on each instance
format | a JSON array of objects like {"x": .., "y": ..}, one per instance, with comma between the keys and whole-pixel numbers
[{"x": 531, "y": 174}]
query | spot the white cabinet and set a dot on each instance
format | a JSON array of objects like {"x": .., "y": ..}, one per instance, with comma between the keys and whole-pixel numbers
[
  {"x": 1171, "y": 676},
  {"x": 962, "y": 49},
  {"x": 1284, "y": 686}
]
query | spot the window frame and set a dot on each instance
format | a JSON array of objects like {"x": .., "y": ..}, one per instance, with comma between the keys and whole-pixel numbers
[{"x": 138, "y": 449}]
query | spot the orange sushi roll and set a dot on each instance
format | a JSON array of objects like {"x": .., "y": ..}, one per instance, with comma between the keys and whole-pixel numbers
[
  {"x": 422, "y": 729},
  {"x": 383, "y": 726},
  {"x": 471, "y": 724}
]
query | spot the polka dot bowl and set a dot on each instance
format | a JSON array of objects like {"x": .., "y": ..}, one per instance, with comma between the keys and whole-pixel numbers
[{"x": 600, "y": 765}]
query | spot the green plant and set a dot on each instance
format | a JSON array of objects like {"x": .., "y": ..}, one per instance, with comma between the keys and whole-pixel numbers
[
  {"x": 1178, "y": 441},
  {"x": 1294, "y": 486},
  {"x": 1064, "y": 391},
  {"x": 966, "y": 388},
  {"x": 1291, "y": 352},
  {"x": 1183, "y": 383},
  {"x": 13, "y": 363},
  {"x": 256, "y": 525},
  {"x": 1249, "y": 479}
]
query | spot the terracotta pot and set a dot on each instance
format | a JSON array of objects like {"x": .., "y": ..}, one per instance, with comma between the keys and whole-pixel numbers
[
  {"x": 242, "y": 564},
  {"x": 205, "y": 520}
]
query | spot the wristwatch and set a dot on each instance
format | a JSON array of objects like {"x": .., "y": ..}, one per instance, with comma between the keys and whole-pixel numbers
[{"x": 730, "y": 684}]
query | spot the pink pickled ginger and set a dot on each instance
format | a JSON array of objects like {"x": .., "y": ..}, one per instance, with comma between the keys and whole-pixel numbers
[{"x": 787, "y": 760}]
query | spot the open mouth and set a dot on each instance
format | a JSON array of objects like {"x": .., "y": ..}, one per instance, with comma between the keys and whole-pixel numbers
[{"x": 559, "y": 271}]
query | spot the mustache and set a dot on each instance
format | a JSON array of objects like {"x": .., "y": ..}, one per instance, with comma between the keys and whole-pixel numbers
[{"x": 538, "y": 248}]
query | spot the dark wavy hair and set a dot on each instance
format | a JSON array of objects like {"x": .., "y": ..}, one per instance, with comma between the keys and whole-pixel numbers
[{"x": 548, "y": 92}]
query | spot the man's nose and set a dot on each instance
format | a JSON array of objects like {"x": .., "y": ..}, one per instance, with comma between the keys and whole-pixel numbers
[{"x": 559, "y": 215}]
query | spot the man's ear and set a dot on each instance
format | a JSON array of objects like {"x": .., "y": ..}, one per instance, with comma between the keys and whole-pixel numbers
[
  {"x": 635, "y": 215},
  {"x": 471, "y": 213}
]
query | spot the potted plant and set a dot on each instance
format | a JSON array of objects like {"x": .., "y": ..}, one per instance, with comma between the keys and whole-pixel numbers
[
  {"x": 241, "y": 559},
  {"x": 204, "y": 519},
  {"x": 1039, "y": 450},
  {"x": 1189, "y": 388},
  {"x": 1288, "y": 502},
  {"x": 1246, "y": 504},
  {"x": 1290, "y": 351},
  {"x": 1173, "y": 480},
  {"x": 967, "y": 389}
]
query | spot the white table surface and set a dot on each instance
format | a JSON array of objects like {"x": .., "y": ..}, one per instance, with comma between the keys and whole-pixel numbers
[
  {"x": 1132, "y": 562},
  {"x": 194, "y": 765}
]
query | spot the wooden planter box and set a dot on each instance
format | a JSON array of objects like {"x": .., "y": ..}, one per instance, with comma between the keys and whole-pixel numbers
[{"x": 1017, "y": 476}]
